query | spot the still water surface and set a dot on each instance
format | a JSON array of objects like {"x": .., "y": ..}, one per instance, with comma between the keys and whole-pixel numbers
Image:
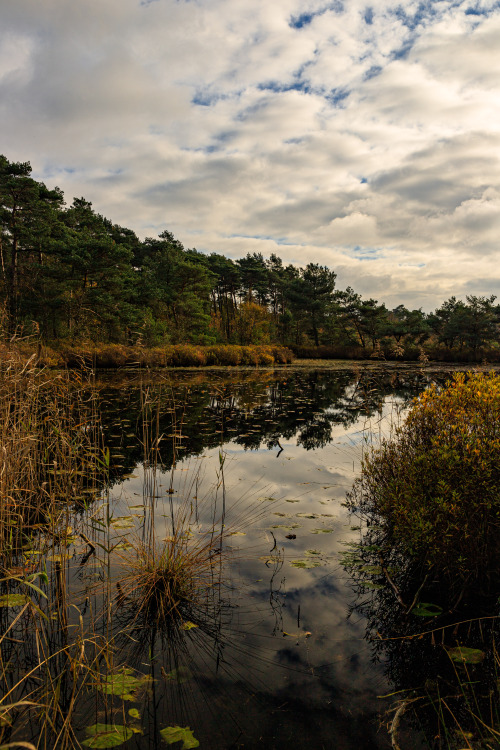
[
  {"x": 281, "y": 664},
  {"x": 269, "y": 658}
]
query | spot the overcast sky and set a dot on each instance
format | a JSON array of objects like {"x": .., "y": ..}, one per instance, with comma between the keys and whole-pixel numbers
[{"x": 360, "y": 135}]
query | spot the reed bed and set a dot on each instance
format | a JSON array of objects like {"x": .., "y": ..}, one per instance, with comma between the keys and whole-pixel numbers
[
  {"x": 175, "y": 355},
  {"x": 62, "y": 660}
]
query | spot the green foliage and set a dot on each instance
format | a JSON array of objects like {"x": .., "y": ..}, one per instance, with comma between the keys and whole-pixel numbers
[
  {"x": 124, "y": 684},
  {"x": 174, "y": 734},
  {"x": 434, "y": 487},
  {"x": 107, "y": 735},
  {"x": 69, "y": 274}
]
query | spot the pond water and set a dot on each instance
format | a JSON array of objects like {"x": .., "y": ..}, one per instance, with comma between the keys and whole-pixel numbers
[{"x": 259, "y": 464}]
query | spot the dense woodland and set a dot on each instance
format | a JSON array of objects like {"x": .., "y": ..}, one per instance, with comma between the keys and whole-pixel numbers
[{"x": 71, "y": 276}]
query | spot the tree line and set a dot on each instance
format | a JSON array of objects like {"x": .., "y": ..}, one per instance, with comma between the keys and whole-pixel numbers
[{"x": 71, "y": 275}]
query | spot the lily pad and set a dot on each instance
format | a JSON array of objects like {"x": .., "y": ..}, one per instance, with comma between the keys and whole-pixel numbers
[
  {"x": 122, "y": 522},
  {"x": 107, "y": 735},
  {"x": 289, "y": 526},
  {"x": 465, "y": 655},
  {"x": 171, "y": 735},
  {"x": 266, "y": 499},
  {"x": 305, "y": 564},
  {"x": 123, "y": 684},
  {"x": 321, "y": 531},
  {"x": 427, "y": 609},
  {"x": 307, "y": 515},
  {"x": 14, "y": 600}
]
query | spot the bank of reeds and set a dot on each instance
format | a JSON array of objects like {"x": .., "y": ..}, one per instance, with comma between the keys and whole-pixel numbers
[
  {"x": 49, "y": 448},
  {"x": 178, "y": 355},
  {"x": 51, "y": 463}
]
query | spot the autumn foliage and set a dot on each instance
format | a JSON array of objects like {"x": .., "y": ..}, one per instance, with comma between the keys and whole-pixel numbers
[{"x": 435, "y": 487}]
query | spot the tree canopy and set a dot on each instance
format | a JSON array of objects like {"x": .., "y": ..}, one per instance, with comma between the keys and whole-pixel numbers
[{"x": 70, "y": 274}]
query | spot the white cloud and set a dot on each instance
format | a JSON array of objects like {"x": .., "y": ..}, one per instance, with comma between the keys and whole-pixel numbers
[{"x": 316, "y": 131}]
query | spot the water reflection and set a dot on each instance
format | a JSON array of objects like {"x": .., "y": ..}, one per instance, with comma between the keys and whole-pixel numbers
[
  {"x": 438, "y": 651},
  {"x": 252, "y": 411},
  {"x": 271, "y": 661},
  {"x": 275, "y": 649}
]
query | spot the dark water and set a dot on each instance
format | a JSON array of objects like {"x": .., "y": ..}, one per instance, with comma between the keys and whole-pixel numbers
[{"x": 274, "y": 661}]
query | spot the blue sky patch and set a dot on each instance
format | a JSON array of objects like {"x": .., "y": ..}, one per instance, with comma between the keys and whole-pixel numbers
[
  {"x": 280, "y": 87},
  {"x": 372, "y": 72},
  {"x": 337, "y": 96},
  {"x": 304, "y": 19}
]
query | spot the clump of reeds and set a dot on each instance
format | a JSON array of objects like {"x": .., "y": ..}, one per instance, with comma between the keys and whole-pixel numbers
[{"x": 166, "y": 580}]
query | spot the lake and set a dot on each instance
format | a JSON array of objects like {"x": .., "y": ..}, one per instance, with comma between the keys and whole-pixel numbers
[{"x": 249, "y": 469}]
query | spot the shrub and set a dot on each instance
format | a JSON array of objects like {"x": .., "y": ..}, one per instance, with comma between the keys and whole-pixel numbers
[
  {"x": 223, "y": 355},
  {"x": 187, "y": 355},
  {"x": 435, "y": 487}
]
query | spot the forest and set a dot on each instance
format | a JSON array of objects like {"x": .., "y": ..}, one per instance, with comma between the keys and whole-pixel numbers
[{"x": 69, "y": 275}]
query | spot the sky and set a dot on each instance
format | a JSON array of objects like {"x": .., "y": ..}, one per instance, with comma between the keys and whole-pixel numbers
[{"x": 361, "y": 135}]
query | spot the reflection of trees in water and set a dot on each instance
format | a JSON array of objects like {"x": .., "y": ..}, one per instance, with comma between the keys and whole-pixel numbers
[
  {"x": 253, "y": 411},
  {"x": 449, "y": 695}
]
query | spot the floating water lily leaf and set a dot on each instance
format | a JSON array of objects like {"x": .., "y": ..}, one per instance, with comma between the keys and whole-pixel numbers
[
  {"x": 134, "y": 713},
  {"x": 371, "y": 585},
  {"x": 271, "y": 559},
  {"x": 312, "y": 552},
  {"x": 189, "y": 625},
  {"x": 123, "y": 684},
  {"x": 465, "y": 655},
  {"x": 236, "y": 533},
  {"x": 122, "y": 522},
  {"x": 123, "y": 545},
  {"x": 427, "y": 609},
  {"x": 292, "y": 501},
  {"x": 282, "y": 515},
  {"x": 289, "y": 526},
  {"x": 321, "y": 531},
  {"x": 107, "y": 735},
  {"x": 307, "y": 515},
  {"x": 180, "y": 675},
  {"x": 266, "y": 499},
  {"x": 171, "y": 735},
  {"x": 14, "y": 600},
  {"x": 305, "y": 564}
]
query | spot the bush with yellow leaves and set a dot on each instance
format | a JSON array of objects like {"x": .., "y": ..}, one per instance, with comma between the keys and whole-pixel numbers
[{"x": 434, "y": 488}]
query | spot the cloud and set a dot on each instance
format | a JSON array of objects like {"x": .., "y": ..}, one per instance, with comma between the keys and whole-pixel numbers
[{"x": 318, "y": 130}]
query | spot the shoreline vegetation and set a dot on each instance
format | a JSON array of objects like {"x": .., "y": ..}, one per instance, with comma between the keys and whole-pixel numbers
[
  {"x": 426, "y": 568},
  {"x": 71, "y": 278},
  {"x": 115, "y": 356}
]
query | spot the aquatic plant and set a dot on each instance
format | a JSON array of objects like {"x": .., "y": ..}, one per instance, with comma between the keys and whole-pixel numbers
[
  {"x": 435, "y": 485},
  {"x": 427, "y": 564},
  {"x": 165, "y": 580}
]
